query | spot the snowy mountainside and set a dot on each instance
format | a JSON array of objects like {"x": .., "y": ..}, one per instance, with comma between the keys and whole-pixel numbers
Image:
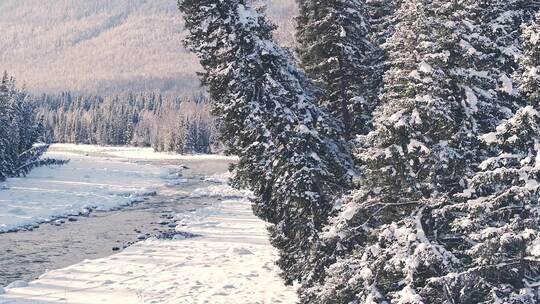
[{"x": 103, "y": 46}]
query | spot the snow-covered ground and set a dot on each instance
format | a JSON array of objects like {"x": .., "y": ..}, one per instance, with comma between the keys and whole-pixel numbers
[
  {"x": 96, "y": 177},
  {"x": 232, "y": 262},
  {"x": 134, "y": 153},
  {"x": 84, "y": 183}
]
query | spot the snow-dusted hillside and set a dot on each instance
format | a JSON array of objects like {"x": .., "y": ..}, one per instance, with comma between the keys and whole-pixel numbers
[{"x": 103, "y": 46}]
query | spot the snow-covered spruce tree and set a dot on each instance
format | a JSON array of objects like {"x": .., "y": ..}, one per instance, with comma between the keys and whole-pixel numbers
[
  {"x": 19, "y": 131},
  {"x": 490, "y": 38},
  {"x": 335, "y": 49},
  {"x": 488, "y": 46},
  {"x": 493, "y": 226},
  {"x": 529, "y": 74},
  {"x": 382, "y": 19},
  {"x": 5, "y": 162},
  {"x": 381, "y": 242},
  {"x": 290, "y": 151},
  {"x": 10, "y": 131}
]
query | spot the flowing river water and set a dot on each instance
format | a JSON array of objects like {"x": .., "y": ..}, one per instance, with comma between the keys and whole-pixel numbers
[{"x": 25, "y": 255}]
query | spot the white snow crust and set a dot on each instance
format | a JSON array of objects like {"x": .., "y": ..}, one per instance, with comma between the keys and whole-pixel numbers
[
  {"x": 85, "y": 183},
  {"x": 232, "y": 262}
]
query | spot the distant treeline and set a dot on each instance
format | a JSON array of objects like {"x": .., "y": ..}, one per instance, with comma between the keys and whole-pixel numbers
[{"x": 166, "y": 123}]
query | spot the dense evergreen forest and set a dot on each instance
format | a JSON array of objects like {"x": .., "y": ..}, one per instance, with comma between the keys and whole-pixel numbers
[
  {"x": 396, "y": 154},
  {"x": 166, "y": 123},
  {"x": 20, "y": 131}
]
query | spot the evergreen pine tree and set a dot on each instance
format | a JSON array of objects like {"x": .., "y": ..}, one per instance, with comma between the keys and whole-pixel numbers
[
  {"x": 493, "y": 227},
  {"x": 289, "y": 149},
  {"x": 5, "y": 163},
  {"x": 19, "y": 131},
  {"x": 382, "y": 18},
  {"x": 491, "y": 42},
  {"x": 380, "y": 246},
  {"x": 335, "y": 49},
  {"x": 529, "y": 74}
]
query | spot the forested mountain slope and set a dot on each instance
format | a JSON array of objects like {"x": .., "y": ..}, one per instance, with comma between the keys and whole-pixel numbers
[{"x": 103, "y": 46}]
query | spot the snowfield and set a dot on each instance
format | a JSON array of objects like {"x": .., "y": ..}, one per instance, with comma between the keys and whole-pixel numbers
[{"x": 232, "y": 262}]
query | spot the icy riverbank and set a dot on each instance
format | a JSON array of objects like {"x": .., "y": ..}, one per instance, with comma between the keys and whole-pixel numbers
[
  {"x": 84, "y": 184},
  {"x": 103, "y": 178},
  {"x": 232, "y": 262},
  {"x": 134, "y": 153}
]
